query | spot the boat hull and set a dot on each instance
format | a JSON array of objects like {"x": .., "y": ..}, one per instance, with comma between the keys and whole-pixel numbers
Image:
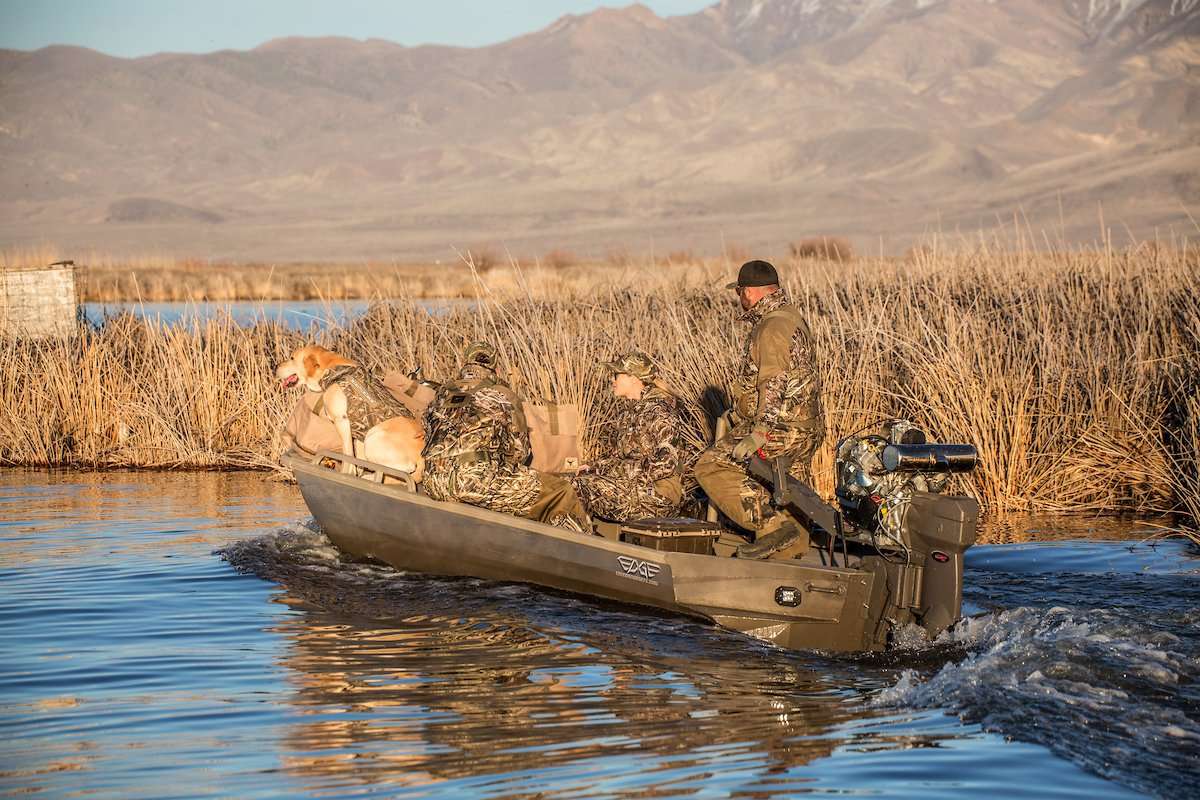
[{"x": 787, "y": 603}]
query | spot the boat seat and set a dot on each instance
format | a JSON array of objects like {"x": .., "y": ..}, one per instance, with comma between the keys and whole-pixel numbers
[{"x": 727, "y": 544}]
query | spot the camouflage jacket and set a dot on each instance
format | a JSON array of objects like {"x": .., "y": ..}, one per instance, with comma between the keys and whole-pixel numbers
[
  {"x": 778, "y": 385},
  {"x": 473, "y": 421},
  {"x": 643, "y": 442},
  {"x": 367, "y": 401}
]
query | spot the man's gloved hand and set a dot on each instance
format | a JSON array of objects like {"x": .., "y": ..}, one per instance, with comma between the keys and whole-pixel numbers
[{"x": 749, "y": 445}]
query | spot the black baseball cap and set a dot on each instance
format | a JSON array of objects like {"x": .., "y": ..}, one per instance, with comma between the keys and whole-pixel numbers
[{"x": 755, "y": 273}]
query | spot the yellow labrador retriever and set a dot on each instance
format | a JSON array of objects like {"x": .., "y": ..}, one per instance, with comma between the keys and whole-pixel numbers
[{"x": 371, "y": 422}]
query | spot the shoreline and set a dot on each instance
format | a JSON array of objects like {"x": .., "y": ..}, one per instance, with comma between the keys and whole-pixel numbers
[{"x": 113, "y": 279}]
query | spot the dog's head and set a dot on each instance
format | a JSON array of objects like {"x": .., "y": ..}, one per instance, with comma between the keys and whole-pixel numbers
[{"x": 307, "y": 366}]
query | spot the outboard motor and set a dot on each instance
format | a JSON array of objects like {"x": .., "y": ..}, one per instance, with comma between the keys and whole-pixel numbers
[{"x": 890, "y": 485}]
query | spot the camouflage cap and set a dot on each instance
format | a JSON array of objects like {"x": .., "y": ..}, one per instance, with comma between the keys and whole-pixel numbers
[
  {"x": 634, "y": 363},
  {"x": 480, "y": 353}
]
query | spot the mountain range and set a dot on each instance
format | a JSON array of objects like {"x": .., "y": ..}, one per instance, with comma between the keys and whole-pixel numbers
[{"x": 751, "y": 123}]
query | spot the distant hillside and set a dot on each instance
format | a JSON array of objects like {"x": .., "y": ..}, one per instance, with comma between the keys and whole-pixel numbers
[
  {"x": 147, "y": 209},
  {"x": 752, "y": 122}
]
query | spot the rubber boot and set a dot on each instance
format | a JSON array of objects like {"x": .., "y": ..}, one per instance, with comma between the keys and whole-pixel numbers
[{"x": 781, "y": 537}]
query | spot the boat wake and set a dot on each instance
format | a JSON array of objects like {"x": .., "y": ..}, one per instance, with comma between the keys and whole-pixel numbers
[
  {"x": 300, "y": 546},
  {"x": 1102, "y": 670}
]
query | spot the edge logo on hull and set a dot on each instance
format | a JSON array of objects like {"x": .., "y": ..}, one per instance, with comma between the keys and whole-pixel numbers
[{"x": 644, "y": 571}]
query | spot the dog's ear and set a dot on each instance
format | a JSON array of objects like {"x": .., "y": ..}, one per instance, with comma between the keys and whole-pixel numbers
[
  {"x": 310, "y": 365},
  {"x": 330, "y": 359}
]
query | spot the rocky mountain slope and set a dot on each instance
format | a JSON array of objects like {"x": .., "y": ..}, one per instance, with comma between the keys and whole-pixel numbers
[{"x": 753, "y": 121}]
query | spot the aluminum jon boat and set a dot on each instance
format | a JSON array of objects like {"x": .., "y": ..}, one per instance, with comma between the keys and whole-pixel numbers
[{"x": 853, "y": 589}]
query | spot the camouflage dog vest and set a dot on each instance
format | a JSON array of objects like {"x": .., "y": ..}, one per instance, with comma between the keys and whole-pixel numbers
[{"x": 368, "y": 403}]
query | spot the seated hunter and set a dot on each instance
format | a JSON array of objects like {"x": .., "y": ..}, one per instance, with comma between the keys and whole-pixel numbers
[
  {"x": 636, "y": 474},
  {"x": 776, "y": 414},
  {"x": 478, "y": 446}
]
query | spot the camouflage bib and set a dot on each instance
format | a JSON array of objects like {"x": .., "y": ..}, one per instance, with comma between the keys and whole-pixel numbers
[{"x": 477, "y": 421}]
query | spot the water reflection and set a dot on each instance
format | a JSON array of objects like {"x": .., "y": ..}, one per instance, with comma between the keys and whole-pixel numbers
[
  {"x": 410, "y": 684},
  {"x": 441, "y": 699},
  {"x": 488, "y": 703},
  {"x": 57, "y": 515},
  {"x": 134, "y": 662},
  {"x": 138, "y": 664},
  {"x": 1015, "y": 528}
]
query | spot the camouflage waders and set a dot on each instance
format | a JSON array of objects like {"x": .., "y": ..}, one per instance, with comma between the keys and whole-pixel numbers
[
  {"x": 728, "y": 484},
  {"x": 624, "y": 500},
  {"x": 516, "y": 490}
]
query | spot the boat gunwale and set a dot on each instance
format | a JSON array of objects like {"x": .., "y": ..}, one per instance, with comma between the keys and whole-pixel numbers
[{"x": 401, "y": 494}]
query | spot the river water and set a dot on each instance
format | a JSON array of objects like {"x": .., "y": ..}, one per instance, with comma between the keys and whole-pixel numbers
[
  {"x": 140, "y": 662},
  {"x": 297, "y": 314}
]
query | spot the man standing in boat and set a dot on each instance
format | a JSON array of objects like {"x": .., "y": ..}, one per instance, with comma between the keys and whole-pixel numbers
[
  {"x": 776, "y": 413},
  {"x": 637, "y": 473},
  {"x": 477, "y": 446}
]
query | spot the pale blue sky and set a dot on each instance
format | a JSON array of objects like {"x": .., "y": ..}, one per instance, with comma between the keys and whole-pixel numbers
[{"x": 141, "y": 27}]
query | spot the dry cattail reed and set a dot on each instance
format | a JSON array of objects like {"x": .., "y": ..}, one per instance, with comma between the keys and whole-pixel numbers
[{"x": 1074, "y": 372}]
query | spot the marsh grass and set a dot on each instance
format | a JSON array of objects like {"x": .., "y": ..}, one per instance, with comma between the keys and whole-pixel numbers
[
  {"x": 1074, "y": 372},
  {"x": 102, "y": 279},
  {"x": 827, "y": 248}
]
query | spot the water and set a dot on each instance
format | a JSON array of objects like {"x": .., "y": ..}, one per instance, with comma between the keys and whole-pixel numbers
[
  {"x": 138, "y": 663},
  {"x": 298, "y": 314}
]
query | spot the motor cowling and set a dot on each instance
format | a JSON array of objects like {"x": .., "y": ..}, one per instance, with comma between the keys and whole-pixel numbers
[
  {"x": 877, "y": 475},
  {"x": 890, "y": 484}
]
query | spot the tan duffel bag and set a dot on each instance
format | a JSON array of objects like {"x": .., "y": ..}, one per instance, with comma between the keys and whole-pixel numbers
[{"x": 553, "y": 436}]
